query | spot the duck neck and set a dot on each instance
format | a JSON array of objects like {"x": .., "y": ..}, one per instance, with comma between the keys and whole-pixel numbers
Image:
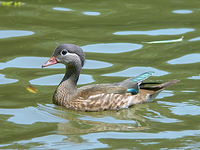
[
  {"x": 67, "y": 90},
  {"x": 70, "y": 79}
]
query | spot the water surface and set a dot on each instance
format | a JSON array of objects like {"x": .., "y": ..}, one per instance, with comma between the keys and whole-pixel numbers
[{"x": 112, "y": 34}]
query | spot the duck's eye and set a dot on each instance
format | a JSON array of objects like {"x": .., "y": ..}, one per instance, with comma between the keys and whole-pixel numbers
[{"x": 63, "y": 52}]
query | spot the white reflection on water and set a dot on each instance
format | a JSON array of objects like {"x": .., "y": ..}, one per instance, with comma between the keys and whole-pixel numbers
[
  {"x": 36, "y": 62},
  {"x": 92, "y": 140},
  {"x": 14, "y": 33},
  {"x": 187, "y": 59},
  {"x": 182, "y": 108},
  {"x": 111, "y": 47},
  {"x": 189, "y": 91},
  {"x": 170, "y": 31},
  {"x": 55, "y": 79},
  {"x": 55, "y": 141},
  {"x": 194, "y": 77},
  {"x": 135, "y": 71},
  {"x": 4, "y": 80},
  {"x": 157, "y": 117},
  {"x": 195, "y": 39},
  {"x": 62, "y": 9},
  {"x": 30, "y": 115},
  {"x": 94, "y": 137},
  {"x": 182, "y": 11},
  {"x": 90, "y": 13},
  {"x": 94, "y": 64},
  {"x": 164, "y": 93},
  {"x": 107, "y": 119}
]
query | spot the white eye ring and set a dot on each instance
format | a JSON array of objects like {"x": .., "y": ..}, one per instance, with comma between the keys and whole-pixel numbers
[{"x": 63, "y": 52}]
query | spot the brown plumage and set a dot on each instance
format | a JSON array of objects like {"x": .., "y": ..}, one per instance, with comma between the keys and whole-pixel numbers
[{"x": 98, "y": 97}]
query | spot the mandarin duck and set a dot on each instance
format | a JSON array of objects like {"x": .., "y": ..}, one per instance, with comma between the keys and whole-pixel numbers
[{"x": 98, "y": 97}]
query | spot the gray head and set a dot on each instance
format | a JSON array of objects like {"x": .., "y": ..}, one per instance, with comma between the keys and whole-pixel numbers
[{"x": 69, "y": 54}]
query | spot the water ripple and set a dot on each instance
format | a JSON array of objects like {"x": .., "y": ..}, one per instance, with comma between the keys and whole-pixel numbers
[
  {"x": 135, "y": 71},
  {"x": 94, "y": 137},
  {"x": 182, "y": 11},
  {"x": 157, "y": 117},
  {"x": 111, "y": 47},
  {"x": 89, "y": 13},
  {"x": 107, "y": 119},
  {"x": 195, "y": 39},
  {"x": 14, "y": 33},
  {"x": 194, "y": 77},
  {"x": 55, "y": 79},
  {"x": 164, "y": 93},
  {"x": 187, "y": 59},
  {"x": 30, "y": 115},
  {"x": 62, "y": 9},
  {"x": 36, "y": 62},
  {"x": 4, "y": 80},
  {"x": 170, "y": 31},
  {"x": 183, "y": 108}
]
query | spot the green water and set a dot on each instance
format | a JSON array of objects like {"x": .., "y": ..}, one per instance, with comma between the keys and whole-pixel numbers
[{"x": 112, "y": 34}]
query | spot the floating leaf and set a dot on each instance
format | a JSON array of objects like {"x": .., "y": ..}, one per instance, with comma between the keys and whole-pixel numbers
[
  {"x": 166, "y": 41},
  {"x": 31, "y": 89},
  {"x": 4, "y": 3}
]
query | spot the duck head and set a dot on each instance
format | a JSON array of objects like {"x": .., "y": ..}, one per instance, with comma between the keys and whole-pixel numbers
[{"x": 67, "y": 54}]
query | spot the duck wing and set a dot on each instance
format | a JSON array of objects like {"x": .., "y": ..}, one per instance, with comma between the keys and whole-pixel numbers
[
  {"x": 102, "y": 88},
  {"x": 133, "y": 84}
]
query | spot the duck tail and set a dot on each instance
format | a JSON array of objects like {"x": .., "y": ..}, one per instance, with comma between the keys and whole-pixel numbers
[
  {"x": 158, "y": 88},
  {"x": 166, "y": 84}
]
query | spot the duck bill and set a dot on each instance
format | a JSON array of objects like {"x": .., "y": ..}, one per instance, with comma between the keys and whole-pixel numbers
[{"x": 51, "y": 61}]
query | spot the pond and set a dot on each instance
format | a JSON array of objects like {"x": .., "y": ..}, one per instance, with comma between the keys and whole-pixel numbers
[{"x": 118, "y": 40}]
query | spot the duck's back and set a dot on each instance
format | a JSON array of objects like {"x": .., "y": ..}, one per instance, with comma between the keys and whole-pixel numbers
[{"x": 101, "y": 97}]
